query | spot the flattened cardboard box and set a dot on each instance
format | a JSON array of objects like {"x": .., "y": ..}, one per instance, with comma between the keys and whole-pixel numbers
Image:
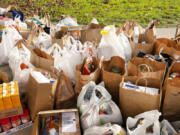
[{"x": 75, "y": 128}]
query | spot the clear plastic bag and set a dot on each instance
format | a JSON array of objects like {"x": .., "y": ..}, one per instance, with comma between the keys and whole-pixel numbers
[
  {"x": 10, "y": 37},
  {"x": 110, "y": 45},
  {"x": 144, "y": 124},
  {"x": 108, "y": 128}
]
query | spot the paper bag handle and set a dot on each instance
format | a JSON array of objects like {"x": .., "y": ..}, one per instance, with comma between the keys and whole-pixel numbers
[
  {"x": 141, "y": 79},
  {"x": 149, "y": 68}
]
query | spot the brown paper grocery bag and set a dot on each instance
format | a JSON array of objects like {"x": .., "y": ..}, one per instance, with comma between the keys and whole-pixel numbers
[
  {"x": 147, "y": 47},
  {"x": 134, "y": 102},
  {"x": 92, "y": 35},
  {"x": 40, "y": 95},
  {"x": 81, "y": 80},
  {"x": 171, "y": 104},
  {"x": 65, "y": 94},
  {"x": 153, "y": 69},
  {"x": 112, "y": 80}
]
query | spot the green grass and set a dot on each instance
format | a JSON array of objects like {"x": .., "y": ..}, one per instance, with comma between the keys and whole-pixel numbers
[{"x": 115, "y": 12}]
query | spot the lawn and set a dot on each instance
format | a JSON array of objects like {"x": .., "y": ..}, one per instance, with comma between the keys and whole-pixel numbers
[{"x": 106, "y": 11}]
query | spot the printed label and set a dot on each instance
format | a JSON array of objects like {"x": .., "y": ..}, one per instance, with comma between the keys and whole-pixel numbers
[{"x": 68, "y": 122}]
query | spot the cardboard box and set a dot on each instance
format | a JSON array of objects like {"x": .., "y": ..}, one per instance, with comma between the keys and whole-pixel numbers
[
  {"x": 11, "y": 112},
  {"x": 69, "y": 121},
  {"x": 16, "y": 129},
  {"x": 40, "y": 95}
]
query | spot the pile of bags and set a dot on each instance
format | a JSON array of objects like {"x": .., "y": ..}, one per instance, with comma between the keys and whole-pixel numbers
[{"x": 121, "y": 80}]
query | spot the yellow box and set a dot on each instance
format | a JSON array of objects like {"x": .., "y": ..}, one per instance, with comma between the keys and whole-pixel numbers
[
  {"x": 1, "y": 100},
  {"x": 15, "y": 97},
  {"x": 7, "y": 99}
]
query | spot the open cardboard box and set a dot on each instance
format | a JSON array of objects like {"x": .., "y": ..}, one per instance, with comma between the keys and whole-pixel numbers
[{"x": 69, "y": 121}]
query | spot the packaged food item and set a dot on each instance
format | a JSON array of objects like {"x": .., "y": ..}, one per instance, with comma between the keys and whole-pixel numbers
[
  {"x": 174, "y": 75},
  {"x": 24, "y": 66},
  {"x": 88, "y": 66},
  {"x": 6, "y": 124},
  {"x": 49, "y": 125},
  {"x": 7, "y": 99},
  {"x": 16, "y": 121},
  {"x": 15, "y": 97},
  {"x": 1, "y": 99},
  {"x": 25, "y": 117}
]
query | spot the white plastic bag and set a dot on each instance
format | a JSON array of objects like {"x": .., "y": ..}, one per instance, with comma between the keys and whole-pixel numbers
[
  {"x": 21, "y": 25},
  {"x": 22, "y": 76},
  {"x": 68, "y": 21},
  {"x": 10, "y": 37},
  {"x": 126, "y": 46},
  {"x": 99, "y": 101},
  {"x": 112, "y": 129},
  {"x": 109, "y": 45},
  {"x": 84, "y": 98},
  {"x": 146, "y": 120},
  {"x": 167, "y": 129},
  {"x": 16, "y": 55},
  {"x": 70, "y": 57},
  {"x": 44, "y": 41}
]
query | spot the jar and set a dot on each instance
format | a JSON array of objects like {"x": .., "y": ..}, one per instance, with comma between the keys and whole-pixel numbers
[
  {"x": 15, "y": 121},
  {"x": 25, "y": 117},
  {"x": 6, "y": 124}
]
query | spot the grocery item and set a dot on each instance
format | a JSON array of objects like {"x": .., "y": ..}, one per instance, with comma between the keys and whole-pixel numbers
[
  {"x": 6, "y": 124},
  {"x": 174, "y": 75},
  {"x": 7, "y": 99},
  {"x": 16, "y": 121},
  {"x": 88, "y": 66},
  {"x": 25, "y": 117},
  {"x": 49, "y": 125}
]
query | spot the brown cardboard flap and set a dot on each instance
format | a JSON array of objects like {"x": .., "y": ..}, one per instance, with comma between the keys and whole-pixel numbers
[
  {"x": 11, "y": 112},
  {"x": 3, "y": 76}
]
